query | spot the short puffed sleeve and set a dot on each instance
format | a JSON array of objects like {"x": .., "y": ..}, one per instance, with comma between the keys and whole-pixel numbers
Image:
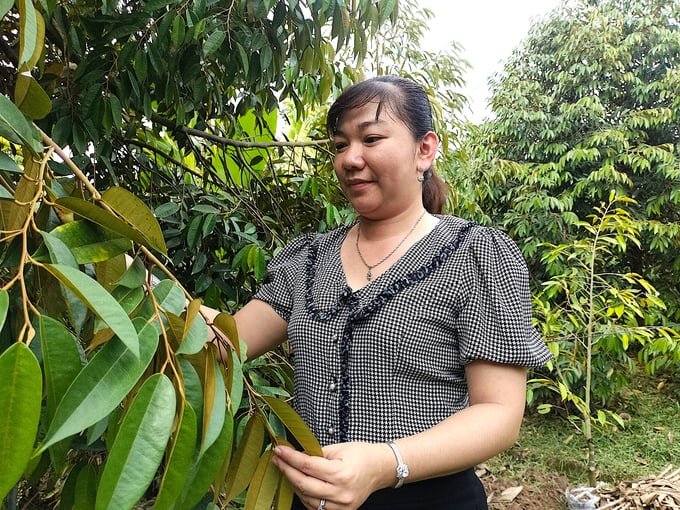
[
  {"x": 285, "y": 272},
  {"x": 495, "y": 321}
]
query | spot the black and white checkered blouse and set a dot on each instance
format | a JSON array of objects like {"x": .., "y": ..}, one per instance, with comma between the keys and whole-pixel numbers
[{"x": 387, "y": 361}]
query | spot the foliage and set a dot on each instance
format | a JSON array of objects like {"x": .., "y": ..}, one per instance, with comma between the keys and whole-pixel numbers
[
  {"x": 588, "y": 104},
  {"x": 593, "y": 317},
  {"x": 170, "y": 104},
  {"x": 549, "y": 446}
]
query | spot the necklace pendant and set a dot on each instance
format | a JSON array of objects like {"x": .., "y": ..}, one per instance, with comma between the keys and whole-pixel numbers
[{"x": 369, "y": 275}]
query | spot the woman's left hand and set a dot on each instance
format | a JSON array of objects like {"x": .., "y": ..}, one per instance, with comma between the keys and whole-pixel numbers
[{"x": 344, "y": 477}]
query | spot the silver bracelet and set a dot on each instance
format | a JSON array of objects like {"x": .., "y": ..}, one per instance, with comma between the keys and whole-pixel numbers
[{"x": 402, "y": 468}]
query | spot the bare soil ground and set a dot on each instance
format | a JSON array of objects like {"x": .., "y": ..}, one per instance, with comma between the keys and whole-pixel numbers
[{"x": 537, "y": 491}]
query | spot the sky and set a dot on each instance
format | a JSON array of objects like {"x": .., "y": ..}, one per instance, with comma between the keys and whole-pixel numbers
[{"x": 488, "y": 30}]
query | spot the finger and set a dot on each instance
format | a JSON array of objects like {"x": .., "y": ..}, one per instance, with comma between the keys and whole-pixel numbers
[{"x": 317, "y": 467}]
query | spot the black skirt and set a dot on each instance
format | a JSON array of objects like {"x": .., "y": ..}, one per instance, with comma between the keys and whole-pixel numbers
[{"x": 460, "y": 491}]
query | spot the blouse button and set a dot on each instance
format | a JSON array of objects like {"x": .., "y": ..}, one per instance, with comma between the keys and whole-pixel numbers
[
  {"x": 336, "y": 338},
  {"x": 331, "y": 431},
  {"x": 333, "y": 386}
]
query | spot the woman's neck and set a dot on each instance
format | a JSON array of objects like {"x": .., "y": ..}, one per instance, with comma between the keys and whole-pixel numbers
[{"x": 378, "y": 229}]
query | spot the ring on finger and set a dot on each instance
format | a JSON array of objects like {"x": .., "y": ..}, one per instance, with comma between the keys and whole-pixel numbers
[{"x": 322, "y": 504}]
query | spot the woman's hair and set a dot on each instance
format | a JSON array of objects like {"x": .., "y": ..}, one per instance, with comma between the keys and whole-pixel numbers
[{"x": 407, "y": 101}]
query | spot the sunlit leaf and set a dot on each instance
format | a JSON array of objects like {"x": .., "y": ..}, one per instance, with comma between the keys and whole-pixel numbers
[
  {"x": 140, "y": 444},
  {"x": 104, "y": 218},
  {"x": 20, "y": 399},
  {"x": 137, "y": 214},
  {"x": 31, "y": 98}
]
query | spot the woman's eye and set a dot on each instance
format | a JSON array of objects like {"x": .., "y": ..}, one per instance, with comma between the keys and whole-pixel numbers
[
  {"x": 372, "y": 139},
  {"x": 340, "y": 146}
]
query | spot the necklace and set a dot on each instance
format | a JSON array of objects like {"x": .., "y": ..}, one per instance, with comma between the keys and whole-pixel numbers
[{"x": 369, "y": 273}]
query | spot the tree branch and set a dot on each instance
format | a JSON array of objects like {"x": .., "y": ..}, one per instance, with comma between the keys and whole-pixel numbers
[{"x": 229, "y": 141}]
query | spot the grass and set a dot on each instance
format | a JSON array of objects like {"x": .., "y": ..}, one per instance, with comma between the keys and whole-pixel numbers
[{"x": 649, "y": 442}]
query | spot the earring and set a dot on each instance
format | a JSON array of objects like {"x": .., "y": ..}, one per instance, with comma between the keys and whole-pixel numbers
[{"x": 421, "y": 174}]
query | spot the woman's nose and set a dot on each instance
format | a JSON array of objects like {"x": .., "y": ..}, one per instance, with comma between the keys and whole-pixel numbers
[{"x": 353, "y": 156}]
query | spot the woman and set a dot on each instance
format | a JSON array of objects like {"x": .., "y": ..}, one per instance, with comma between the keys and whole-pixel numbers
[{"x": 410, "y": 331}]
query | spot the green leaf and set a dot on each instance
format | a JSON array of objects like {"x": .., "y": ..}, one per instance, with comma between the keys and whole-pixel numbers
[
  {"x": 221, "y": 474},
  {"x": 263, "y": 486},
  {"x": 195, "y": 330},
  {"x": 295, "y": 425},
  {"x": 28, "y": 35},
  {"x": 236, "y": 383},
  {"x": 61, "y": 362},
  {"x": 193, "y": 390},
  {"x": 15, "y": 128},
  {"x": 168, "y": 297},
  {"x": 139, "y": 446},
  {"x": 140, "y": 66},
  {"x": 179, "y": 460},
  {"x": 203, "y": 472},
  {"x": 97, "y": 299},
  {"x": 137, "y": 214},
  {"x": 8, "y": 164},
  {"x": 104, "y": 218},
  {"x": 246, "y": 458},
  {"x": 5, "y": 6},
  {"x": 34, "y": 100},
  {"x": 20, "y": 400},
  {"x": 134, "y": 275},
  {"x": 60, "y": 254},
  {"x": 89, "y": 242},
  {"x": 227, "y": 325},
  {"x": 213, "y": 42},
  {"x": 214, "y": 403},
  {"x": 284, "y": 495},
  {"x": 101, "y": 385},
  {"x": 4, "y": 306},
  {"x": 85, "y": 488}
]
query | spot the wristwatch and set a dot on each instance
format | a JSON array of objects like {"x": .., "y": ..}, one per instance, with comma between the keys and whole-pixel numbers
[{"x": 402, "y": 468}]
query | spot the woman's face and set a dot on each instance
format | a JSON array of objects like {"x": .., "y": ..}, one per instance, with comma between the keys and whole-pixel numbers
[{"x": 377, "y": 162}]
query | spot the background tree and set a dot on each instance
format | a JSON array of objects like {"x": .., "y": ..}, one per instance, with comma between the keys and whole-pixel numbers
[{"x": 588, "y": 104}]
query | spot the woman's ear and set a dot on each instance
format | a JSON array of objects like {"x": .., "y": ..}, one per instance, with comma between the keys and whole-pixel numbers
[{"x": 428, "y": 150}]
